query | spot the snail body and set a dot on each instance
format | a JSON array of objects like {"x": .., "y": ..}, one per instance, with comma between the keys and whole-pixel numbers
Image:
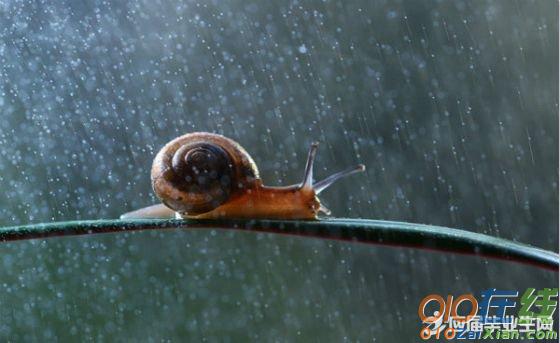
[{"x": 208, "y": 176}]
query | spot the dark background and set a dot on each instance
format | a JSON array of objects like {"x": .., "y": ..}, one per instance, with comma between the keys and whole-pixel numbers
[{"x": 451, "y": 105}]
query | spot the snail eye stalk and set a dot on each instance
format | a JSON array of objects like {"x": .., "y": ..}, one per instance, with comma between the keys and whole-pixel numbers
[
  {"x": 308, "y": 176},
  {"x": 318, "y": 187}
]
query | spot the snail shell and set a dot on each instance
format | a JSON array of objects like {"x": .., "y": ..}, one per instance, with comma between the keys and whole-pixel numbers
[{"x": 197, "y": 172}]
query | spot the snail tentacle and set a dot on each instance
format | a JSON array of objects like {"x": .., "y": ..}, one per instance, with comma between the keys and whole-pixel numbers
[
  {"x": 308, "y": 176},
  {"x": 320, "y": 186}
]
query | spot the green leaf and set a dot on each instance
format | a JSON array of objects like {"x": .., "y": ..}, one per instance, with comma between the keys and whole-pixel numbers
[{"x": 398, "y": 234}]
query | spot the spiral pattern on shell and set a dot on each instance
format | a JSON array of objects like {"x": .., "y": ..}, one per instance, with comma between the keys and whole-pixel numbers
[{"x": 198, "y": 172}]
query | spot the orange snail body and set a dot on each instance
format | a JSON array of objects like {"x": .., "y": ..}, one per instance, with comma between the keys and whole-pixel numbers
[{"x": 208, "y": 176}]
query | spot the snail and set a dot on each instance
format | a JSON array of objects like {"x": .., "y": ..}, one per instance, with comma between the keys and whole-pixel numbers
[{"x": 208, "y": 176}]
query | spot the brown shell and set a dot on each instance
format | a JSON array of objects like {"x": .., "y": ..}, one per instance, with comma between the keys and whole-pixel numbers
[{"x": 197, "y": 172}]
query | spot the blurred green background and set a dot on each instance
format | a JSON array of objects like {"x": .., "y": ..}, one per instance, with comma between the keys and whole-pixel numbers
[{"x": 451, "y": 105}]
